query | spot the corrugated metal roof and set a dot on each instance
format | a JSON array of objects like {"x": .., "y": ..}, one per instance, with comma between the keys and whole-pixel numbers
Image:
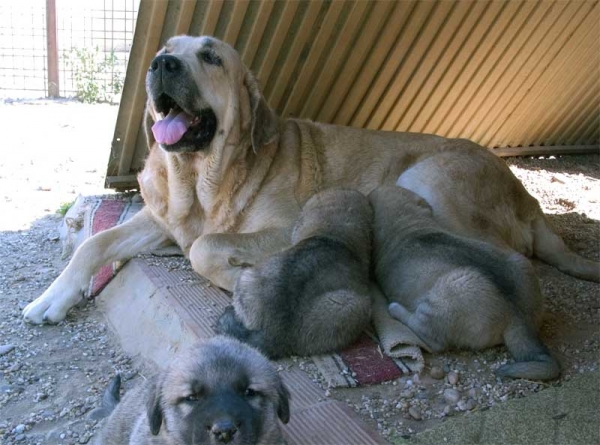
[{"x": 502, "y": 73}]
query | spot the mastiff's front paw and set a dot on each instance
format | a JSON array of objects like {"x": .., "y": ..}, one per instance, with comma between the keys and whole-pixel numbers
[{"x": 51, "y": 307}]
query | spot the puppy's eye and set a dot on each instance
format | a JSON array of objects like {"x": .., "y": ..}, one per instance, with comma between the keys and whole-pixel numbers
[
  {"x": 250, "y": 393},
  {"x": 192, "y": 398},
  {"x": 210, "y": 58}
]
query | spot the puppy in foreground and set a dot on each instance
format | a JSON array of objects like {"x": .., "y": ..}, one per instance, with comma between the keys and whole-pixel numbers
[
  {"x": 220, "y": 391},
  {"x": 313, "y": 297},
  {"x": 455, "y": 292}
]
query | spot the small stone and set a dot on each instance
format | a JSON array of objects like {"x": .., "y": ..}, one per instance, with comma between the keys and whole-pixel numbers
[
  {"x": 452, "y": 378},
  {"x": 20, "y": 437},
  {"x": 471, "y": 404},
  {"x": 462, "y": 405},
  {"x": 20, "y": 428},
  {"x": 422, "y": 395},
  {"x": 451, "y": 396},
  {"x": 416, "y": 378},
  {"x": 62, "y": 436},
  {"x": 447, "y": 410},
  {"x": 473, "y": 393},
  {"x": 437, "y": 373},
  {"x": 5, "y": 349},
  {"x": 414, "y": 412}
]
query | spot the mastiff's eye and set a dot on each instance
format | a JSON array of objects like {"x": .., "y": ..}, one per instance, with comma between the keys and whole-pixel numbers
[
  {"x": 250, "y": 393},
  {"x": 192, "y": 398},
  {"x": 210, "y": 58}
]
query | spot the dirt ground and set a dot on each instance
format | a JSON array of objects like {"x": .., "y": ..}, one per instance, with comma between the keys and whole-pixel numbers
[{"x": 52, "y": 376}]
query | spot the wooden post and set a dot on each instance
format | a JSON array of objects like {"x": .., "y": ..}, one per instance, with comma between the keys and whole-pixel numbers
[{"x": 52, "y": 49}]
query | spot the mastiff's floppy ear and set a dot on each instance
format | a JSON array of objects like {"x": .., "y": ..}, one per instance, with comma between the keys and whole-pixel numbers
[
  {"x": 149, "y": 120},
  {"x": 153, "y": 406},
  {"x": 264, "y": 120}
]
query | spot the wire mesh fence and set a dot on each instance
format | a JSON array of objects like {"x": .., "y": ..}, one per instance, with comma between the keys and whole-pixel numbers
[{"x": 92, "y": 42}]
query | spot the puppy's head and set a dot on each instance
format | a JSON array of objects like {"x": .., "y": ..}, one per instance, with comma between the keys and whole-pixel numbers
[
  {"x": 343, "y": 214},
  {"x": 199, "y": 93},
  {"x": 220, "y": 391}
]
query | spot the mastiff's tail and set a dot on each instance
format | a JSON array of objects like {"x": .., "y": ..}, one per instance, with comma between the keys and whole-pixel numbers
[{"x": 550, "y": 248}]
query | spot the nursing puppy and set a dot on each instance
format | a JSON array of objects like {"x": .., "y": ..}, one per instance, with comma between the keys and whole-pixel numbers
[
  {"x": 313, "y": 297},
  {"x": 455, "y": 292},
  {"x": 220, "y": 391}
]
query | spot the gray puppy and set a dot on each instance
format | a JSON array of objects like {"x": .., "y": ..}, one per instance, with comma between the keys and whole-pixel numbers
[
  {"x": 220, "y": 391},
  {"x": 455, "y": 292},
  {"x": 313, "y": 297}
]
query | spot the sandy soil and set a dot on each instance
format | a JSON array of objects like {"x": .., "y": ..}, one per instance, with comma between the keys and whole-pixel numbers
[{"x": 52, "y": 377}]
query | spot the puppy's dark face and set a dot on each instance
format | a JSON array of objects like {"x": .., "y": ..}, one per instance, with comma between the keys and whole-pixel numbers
[
  {"x": 222, "y": 393},
  {"x": 224, "y": 415}
]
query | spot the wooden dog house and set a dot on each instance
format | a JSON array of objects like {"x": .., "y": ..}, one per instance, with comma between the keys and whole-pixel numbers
[{"x": 519, "y": 76}]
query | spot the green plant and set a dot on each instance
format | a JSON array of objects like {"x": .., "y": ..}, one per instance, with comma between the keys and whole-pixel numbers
[
  {"x": 97, "y": 75},
  {"x": 64, "y": 208}
]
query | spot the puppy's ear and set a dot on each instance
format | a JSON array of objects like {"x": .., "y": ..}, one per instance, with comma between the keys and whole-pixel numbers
[
  {"x": 264, "y": 120},
  {"x": 153, "y": 406},
  {"x": 283, "y": 403}
]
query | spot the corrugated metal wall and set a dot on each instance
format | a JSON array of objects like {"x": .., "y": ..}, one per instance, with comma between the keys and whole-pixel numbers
[{"x": 502, "y": 73}]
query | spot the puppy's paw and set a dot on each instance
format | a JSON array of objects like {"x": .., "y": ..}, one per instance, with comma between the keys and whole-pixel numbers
[
  {"x": 226, "y": 321},
  {"x": 229, "y": 324},
  {"x": 50, "y": 307},
  {"x": 398, "y": 312}
]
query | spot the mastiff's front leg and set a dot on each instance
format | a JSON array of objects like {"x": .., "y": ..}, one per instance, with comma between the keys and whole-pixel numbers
[
  {"x": 137, "y": 235},
  {"x": 220, "y": 257}
]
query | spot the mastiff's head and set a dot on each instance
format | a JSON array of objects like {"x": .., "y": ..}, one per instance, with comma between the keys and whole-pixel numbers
[
  {"x": 221, "y": 391},
  {"x": 200, "y": 95}
]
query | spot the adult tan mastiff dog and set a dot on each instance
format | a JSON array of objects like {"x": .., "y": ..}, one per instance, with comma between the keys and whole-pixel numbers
[
  {"x": 220, "y": 391},
  {"x": 456, "y": 292},
  {"x": 226, "y": 178}
]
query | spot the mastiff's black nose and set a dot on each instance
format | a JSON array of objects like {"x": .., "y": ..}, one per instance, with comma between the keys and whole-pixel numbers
[
  {"x": 223, "y": 430},
  {"x": 166, "y": 64}
]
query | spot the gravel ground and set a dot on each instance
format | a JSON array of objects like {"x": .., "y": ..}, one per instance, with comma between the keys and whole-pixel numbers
[{"x": 52, "y": 376}]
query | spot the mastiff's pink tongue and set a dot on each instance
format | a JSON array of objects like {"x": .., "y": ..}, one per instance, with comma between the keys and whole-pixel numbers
[{"x": 170, "y": 129}]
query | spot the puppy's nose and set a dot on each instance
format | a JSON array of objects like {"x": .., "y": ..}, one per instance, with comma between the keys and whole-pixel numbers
[
  {"x": 166, "y": 63},
  {"x": 223, "y": 430}
]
